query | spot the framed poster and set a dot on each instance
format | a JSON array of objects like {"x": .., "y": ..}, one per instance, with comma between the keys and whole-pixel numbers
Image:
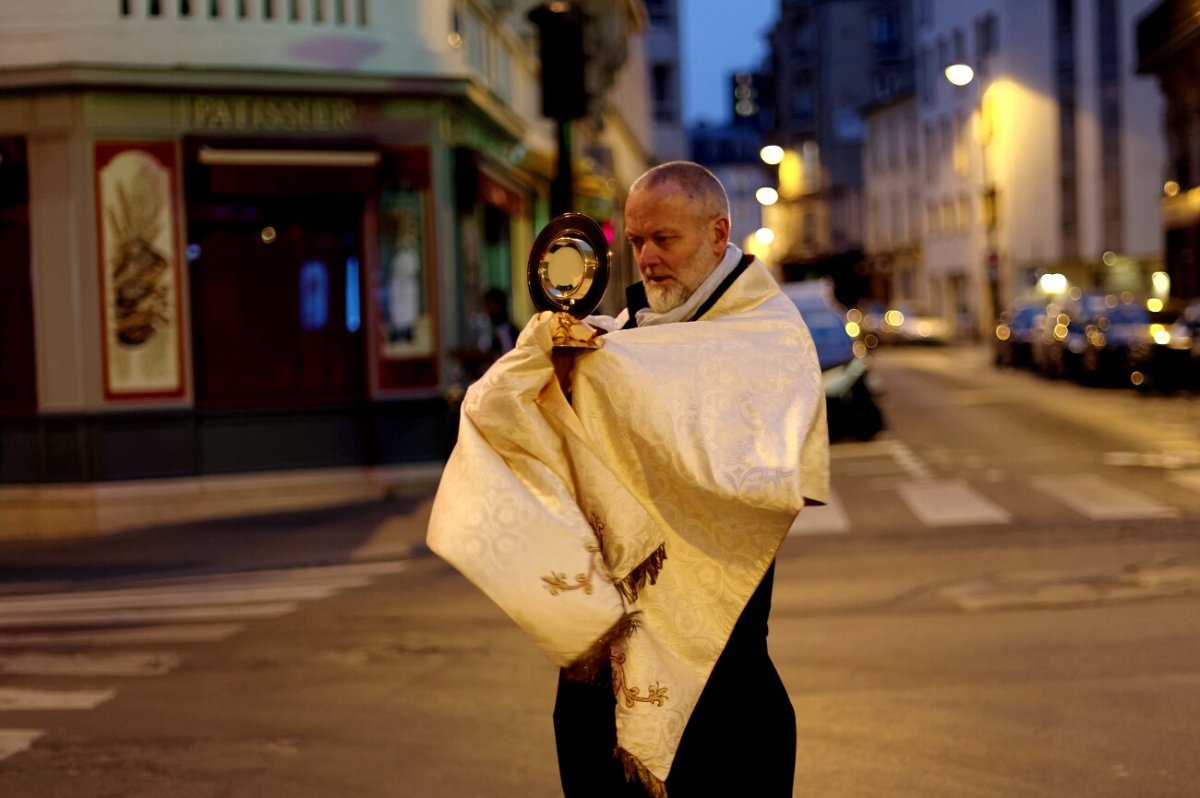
[
  {"x": 403, "y": 305},
  {"x": 137, "y": 220}
]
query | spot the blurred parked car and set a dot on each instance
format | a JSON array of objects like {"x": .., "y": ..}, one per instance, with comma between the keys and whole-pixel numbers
[
  {"x": 1129, "y": 344},
  {"x": 901, "y": 324},
  {"x": 1081, "y": 310},
  {"x": 1014, "y": 333},
  {"x": 1046, "y": 333},
  {"x": 922, "y": 328},
  {"x": 849, "y": 391},
  {"x": 1168, "y": 359}
]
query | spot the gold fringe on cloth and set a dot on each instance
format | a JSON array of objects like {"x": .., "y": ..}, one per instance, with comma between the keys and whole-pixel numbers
[
  {"x": 635, "y": 770},
  {"x": 589, "y": 666},
  {"x": 647, "y": 571}
]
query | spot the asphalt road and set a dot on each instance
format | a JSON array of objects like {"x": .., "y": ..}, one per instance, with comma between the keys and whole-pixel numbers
[{"x": 1002, "y": 600}]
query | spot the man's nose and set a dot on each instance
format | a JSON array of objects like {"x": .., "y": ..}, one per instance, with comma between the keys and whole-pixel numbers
[{"x": 649, "y": 255}]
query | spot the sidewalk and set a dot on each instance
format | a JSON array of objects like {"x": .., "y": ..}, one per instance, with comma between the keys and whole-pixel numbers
[
  {"x": 44, "y": 511},
  {"x": 384, "y": 529}
]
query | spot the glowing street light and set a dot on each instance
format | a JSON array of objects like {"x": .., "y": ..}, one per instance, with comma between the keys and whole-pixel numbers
[
  {"x": 764, "y": 236},
  {"x": 771, "y": 154},
  {"x": 766, "y": 196},
  {"x": 960, "y": 74}
]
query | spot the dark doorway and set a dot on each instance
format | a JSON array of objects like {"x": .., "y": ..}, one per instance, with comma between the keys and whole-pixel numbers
[
  {"x": 18, "y": 375},
  {"x": 276, "y": 286}
]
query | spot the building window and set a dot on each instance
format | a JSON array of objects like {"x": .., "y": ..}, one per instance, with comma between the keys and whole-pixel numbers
[
  {"x": 802, "y": 103},
  {"x": 154, "y": 8},
  {"x": 986, "y": 38},
  {"x": 961, "y": 145},
  {"x": 659, "y": 11},
  {"x": 886, "y": 35},
  {"x": 662, "y": 79}
]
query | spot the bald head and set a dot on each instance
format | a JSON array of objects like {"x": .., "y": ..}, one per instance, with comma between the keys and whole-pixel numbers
[{"x": 704, "y": 192}]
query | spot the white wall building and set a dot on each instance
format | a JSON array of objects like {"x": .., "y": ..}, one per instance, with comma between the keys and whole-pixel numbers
[
  {"x": 894, "y": 215},
  {"x": 1048, "y": 161}
]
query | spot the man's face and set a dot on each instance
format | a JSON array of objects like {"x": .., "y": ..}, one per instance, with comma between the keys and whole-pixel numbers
[{"x": 675, "y": 246}]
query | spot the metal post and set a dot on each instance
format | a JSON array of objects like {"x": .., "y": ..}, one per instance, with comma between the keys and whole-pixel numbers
[{"x": 562, "y": 190}]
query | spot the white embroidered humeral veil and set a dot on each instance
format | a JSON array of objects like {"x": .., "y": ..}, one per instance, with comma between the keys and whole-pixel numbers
[{"x": 701, "y": 440}]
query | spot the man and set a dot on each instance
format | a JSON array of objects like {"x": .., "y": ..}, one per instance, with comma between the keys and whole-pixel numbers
[{"x": 650, "y": 508}]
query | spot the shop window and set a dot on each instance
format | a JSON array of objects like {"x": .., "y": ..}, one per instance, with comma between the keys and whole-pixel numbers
[
  {"x": 406, "y": 334},
  {"x": 314, "y": 296},
  {"x": 353, "y": 296},
  {"x": 272, "y": 325}
]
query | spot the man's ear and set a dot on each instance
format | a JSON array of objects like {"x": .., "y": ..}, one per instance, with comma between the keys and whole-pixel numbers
[{"x": 720, "y": 234}]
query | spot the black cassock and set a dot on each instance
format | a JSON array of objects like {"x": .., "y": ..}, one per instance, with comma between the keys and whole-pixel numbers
[{"x": 740, "y": 740}]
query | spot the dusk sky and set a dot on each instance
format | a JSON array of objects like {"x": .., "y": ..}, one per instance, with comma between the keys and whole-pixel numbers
[{"x": 719, "y": 37}]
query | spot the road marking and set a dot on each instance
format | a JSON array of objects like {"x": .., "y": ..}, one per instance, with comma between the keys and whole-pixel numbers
[
  {"x": 179, "y": 633},
  {"x": 1101, "y": 499},
  {"x": 20, "y": 699},
  {"x": 14, "y": 741},
  {"x": 125, "y": 663},
  {"x": 831, "y": 518},
  {"x": 908, "y": 460},
  {"x": 851, "y": 450},
  {"x": 144, "y": 615},
  {"x": 1188, "y": 479},
  {"x": 125, "y": 599},
  {"x": 950, "y": 503}
]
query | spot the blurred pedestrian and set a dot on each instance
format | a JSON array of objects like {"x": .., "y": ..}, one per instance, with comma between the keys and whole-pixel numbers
[
  {"x": 501, "y": 333},
  {"x": 633, "y": 531}
]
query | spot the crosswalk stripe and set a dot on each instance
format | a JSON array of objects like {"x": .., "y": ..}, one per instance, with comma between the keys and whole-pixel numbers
[
  {"x": 20, "y": 699},
  {"x": 177, "y": 633},
  {"x": 1101, "y": 499},
  {"x": 950, "y": 503},
  {"x": 100, "y": 600},
  {"x": 169, "y": 610},
  {"x": 1189, "y": 479},
  {"x": 312, "y": 574},
  {"x": 14, "y": 741},
  {"x": 908, "y": 460},
  {"x": 122, "y": 663},
  {"x": 145, "y": 615},
  {"x": 831, "y": 518}
]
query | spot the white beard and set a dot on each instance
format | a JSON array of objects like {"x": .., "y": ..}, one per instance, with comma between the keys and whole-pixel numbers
[{"x": 666, "y": 297}]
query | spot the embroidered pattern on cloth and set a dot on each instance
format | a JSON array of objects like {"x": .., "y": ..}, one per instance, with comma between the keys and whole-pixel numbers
[
  {"x": 656, "y": 695},
  {"x": 557, "y": 582}
]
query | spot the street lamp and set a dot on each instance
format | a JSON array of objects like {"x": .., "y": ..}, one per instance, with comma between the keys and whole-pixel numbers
[
  {"x": 960, "y": 74},
  {"x": 766, "y": 196},
  {"x": 771, "y": 154}
]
